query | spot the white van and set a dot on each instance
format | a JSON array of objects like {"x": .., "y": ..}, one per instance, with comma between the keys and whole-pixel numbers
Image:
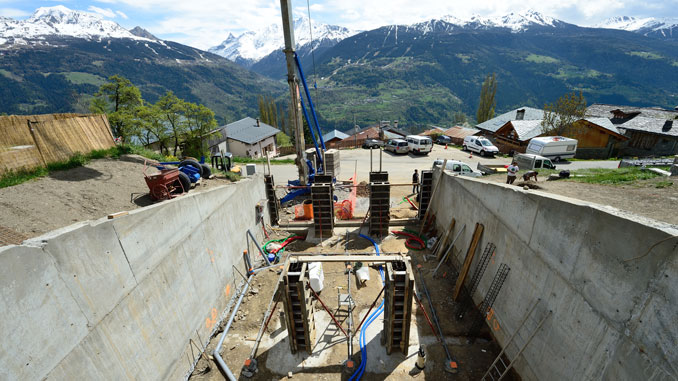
[
  {"x": 480, "y": 145},
  {"x": 553, "y": 147},
  {"x": 419, "y": 144},
  {"x": 528, "y": 162}
]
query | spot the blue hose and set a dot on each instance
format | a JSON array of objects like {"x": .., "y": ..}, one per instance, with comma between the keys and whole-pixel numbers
[{"x": 363, "y": 353}]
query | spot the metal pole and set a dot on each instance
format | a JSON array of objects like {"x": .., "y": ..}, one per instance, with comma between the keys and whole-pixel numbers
[
  {"x": 371, "y": 148},
  {"x": 215, "y": 353},
  {"x": 258, "y": 247},
  {"x": 435, "y": 320},
  {"x": 295, "y": 99},
  {"x": 444, "y": 258},
  {"x": 380, "y": 155}
]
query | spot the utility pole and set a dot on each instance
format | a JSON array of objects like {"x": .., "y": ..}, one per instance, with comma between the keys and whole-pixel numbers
[{"x": 295, "y": 102}]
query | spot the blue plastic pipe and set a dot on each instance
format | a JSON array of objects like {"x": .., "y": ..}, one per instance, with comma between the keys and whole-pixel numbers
[
  {"x": 310, "y": 127},
  {"x": 363, "y": 352},
  {"x": 310, "y": 102}
]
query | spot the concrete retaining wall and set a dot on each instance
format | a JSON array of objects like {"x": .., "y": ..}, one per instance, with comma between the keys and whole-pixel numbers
[
  {"x": 121, "y": 298},
  {"x": 611, "y": 320}
]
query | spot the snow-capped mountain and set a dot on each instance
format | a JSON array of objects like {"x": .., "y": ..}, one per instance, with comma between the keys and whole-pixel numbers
[
  {"x": 516, "y": 22},
  {"x": 249, "y": 47},
  {"x": 649, "y": 26},
  {"x": 60, "y": 21}
]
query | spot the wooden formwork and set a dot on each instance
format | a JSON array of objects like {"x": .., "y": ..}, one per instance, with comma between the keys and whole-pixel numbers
[
  {"x": 323, "y": 206},
  {"x": 298, "y": 307},
  {"x": 399, "y": 288},
  {"x": 380, "y": 201}
]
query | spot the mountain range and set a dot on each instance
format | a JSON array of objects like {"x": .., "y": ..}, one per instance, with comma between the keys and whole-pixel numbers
[
  {"x": 56, "y": 60},
  {"x": 424, "y": 73}
]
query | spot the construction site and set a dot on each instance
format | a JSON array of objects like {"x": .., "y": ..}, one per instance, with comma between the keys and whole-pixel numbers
[
  {"x": 517, "y": 284},
  {"x": 334, "y": 275}
]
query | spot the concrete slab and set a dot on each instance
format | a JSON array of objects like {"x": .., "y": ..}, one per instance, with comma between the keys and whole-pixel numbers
[
  {"x": 41, "y": 322},
  {"x": 93, "y": 266}
]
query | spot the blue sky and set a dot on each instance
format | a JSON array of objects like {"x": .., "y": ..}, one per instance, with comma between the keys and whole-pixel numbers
[{"x": 205, "y": 23}]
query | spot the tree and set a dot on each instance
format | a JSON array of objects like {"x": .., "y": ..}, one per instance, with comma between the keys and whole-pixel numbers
[
  {"x": 199, "y": 122},
  {"x": 268, "y": 111},
  {"x": 560, "y": 117},
  {"x": 487, "y": 103},
  {"x": 153, "y": 128},
  {"x": 118, "y": 99},
  {"x": 172, "y": 111}
]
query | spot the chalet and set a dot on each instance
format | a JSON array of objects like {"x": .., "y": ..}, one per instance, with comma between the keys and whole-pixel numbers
[
  {"x": 489, "y": 127},
  {"x": 247, "y": 137},
  {"x": 597, "y": 138},
  {"x": 650, "y": 131},
  {"x": 515, "y": 135}
]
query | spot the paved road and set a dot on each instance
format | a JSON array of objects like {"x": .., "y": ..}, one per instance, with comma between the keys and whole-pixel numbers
[{"x": 401, "y": 167}]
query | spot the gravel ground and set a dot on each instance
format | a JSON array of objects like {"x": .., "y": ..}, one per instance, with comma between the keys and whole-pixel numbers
[{"x": 90, "y": 192}]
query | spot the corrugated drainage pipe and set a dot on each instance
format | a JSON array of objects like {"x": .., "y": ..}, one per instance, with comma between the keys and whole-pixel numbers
[{"x": 216, "y": 354}]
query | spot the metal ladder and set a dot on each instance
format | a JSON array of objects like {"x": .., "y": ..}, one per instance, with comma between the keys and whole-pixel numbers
[{"x": 499, "y": 368}]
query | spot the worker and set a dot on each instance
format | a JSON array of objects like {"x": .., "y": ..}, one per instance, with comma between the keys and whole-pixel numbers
[
  {"x": 415, "y": 182},
  {"x": 511, "y": 172}
]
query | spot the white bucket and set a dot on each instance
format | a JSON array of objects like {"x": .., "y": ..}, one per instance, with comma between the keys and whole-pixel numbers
[
  {"x": 316, "y": 276},
  {"x": 363, "y": 273}
]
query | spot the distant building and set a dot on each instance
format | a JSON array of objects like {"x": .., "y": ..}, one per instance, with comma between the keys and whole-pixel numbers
[
  {"x": 334, "y": 136},
  {"x": 597, "y": 138},
  {"x": 247, "y": 137},
  {"x": 458, "y": 133},
  {"x": 434, "y": 130},
  {"x": 512, "y": 131},
  {"x": 650, "y": 131}
]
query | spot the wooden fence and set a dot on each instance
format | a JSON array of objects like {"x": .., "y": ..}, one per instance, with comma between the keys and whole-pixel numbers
[{"x": 30, "y": 141}]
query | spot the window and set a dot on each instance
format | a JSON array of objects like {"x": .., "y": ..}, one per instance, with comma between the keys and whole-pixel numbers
[
  {"x": 537, "y": 163},
  {"x": 465, "y": 168},
  {"x": 486, "y": 143},
  {"x": 456, "y": 168},
  {"x": 570, "y": 147}
]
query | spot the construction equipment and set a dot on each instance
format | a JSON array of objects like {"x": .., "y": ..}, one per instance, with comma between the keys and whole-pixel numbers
[
  {"x": 499, "y": 368},
  {"x": 165, "y": 185}
]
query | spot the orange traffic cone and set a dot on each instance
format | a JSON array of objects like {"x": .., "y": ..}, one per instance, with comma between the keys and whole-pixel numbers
[{"x": 445, "y": 145}]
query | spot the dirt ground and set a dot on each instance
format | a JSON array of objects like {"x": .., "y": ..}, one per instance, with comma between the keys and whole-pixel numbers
[
  {"x": 90, "y": 192},
  {"x": 642, "y": 197},
  {"x": 473, "y": 352}
]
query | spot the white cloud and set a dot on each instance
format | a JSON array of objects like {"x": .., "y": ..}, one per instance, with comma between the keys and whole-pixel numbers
[
  {"x": 104, "y": 12},
  {"x": 13, "y": 12},
  {"x": 121, "y": 14}
]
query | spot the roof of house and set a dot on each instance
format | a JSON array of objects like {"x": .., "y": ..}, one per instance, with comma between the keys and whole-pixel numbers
[
  {"x": 366, "y": 133},
  {"x": 526, "y": 129},
  {"x": 497, "y": 122},
  {"x": 604, "y": 123},
  {"x": 334, "y": 134},
  {"x": 246, "y": 131},
  {"x": 605, "y": 111},
  {"x": 652, "y": 125},
  {"x": 461, "y": 132}
]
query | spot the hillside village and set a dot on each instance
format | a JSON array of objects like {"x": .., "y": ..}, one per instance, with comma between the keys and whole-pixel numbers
[{"x": 460, "y": 198}]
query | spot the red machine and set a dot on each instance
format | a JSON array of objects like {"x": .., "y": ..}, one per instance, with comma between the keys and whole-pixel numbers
[{"x": 164, "y": 185}]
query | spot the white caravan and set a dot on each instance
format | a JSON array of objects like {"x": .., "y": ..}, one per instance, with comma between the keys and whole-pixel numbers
[{"x": 553, "y": 147}]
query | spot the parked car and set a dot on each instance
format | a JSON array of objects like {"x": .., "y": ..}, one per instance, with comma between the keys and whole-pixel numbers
[
  {"x": 529, "y": 162},
  {"x": 457, "y": 167},
  {"x": 553, "y": 147},
  {"x": 397, "y": 146},
  {"x": 480, "y": 145},
  {"x": 419, "y": 144},
  {"x": 373, "y": 143},
  {"x": 444, "y": 139}
]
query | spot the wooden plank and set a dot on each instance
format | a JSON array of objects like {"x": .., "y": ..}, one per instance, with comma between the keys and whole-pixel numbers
[
  {"x": 118, "y": 214},
  {"x": 440, "y": 249},
  {"x": 467, "y": 262},
  {"x": 348, "y": 258},
  {"x": 435, "y": 189}
]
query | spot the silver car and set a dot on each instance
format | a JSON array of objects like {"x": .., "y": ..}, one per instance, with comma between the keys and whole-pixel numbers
[{"x": 397, "y": 146}]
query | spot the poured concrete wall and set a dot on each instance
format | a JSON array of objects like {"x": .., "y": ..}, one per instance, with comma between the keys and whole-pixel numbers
[
  {"x": 611, "y": 319},
  {"x": 120, "y": 299}
]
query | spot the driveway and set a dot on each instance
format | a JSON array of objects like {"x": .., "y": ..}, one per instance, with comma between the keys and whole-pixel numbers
[{"x": 401, "y": 167}]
